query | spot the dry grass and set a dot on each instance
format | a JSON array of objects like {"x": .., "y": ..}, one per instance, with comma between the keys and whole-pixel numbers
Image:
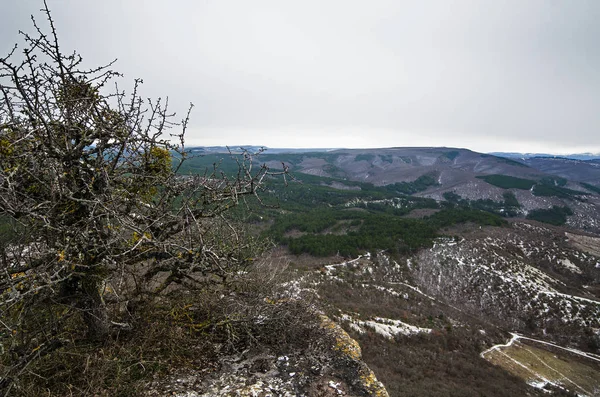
[
  {"x": 182, "y": 331},
  {"x": 588, "y": 244},
  {"x": 535, "y": 364}
]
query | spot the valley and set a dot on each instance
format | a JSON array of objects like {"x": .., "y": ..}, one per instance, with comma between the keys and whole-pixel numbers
[{"x": 434, "y": 258}]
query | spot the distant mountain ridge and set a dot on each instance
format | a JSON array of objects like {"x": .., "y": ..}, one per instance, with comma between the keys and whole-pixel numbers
[
  {"x": 255, "y": 148},
  {"x": 587, "y": 171},
  {"x": 575, "y": 156},
  {"x": 400, "y": 164},
  {"x": 535, "y": 183},
  {"x": 510, "y": 155}
]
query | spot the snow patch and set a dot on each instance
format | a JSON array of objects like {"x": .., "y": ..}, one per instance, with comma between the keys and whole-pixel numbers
[
  {"x": 566, "y": 263},
  {"x": 388, "y": 328}
]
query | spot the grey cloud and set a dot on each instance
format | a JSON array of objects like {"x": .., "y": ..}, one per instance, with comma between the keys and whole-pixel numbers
[{"x": 488, "y": 75}]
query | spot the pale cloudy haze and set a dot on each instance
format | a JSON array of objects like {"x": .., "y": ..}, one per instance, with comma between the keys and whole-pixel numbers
[{"x": 493, "y": 75}]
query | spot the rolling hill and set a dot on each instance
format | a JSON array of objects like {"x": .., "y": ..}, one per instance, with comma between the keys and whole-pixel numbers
[{"x": 436, "y": 172}]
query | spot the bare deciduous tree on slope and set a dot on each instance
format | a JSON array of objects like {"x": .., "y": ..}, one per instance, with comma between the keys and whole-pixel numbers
[{"x": 89, "y": 183}]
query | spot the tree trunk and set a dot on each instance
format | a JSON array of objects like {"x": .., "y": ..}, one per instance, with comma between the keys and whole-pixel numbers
[{"x": 94, "y": 310}]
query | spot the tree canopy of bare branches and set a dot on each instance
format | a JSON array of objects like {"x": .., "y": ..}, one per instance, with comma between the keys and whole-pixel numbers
[{"x": 89, "y": 185}]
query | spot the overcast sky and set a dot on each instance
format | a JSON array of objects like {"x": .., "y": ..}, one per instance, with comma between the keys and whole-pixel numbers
[{"x": 488, "y": 75}]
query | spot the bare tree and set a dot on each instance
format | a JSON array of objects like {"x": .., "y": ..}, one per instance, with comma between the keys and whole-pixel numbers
[{"x": 89, "y": 180}]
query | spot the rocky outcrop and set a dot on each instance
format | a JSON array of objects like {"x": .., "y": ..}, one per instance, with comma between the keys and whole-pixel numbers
[
  {"x": 330, "y": 366},
  {"x": 347, "y": 364}
]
